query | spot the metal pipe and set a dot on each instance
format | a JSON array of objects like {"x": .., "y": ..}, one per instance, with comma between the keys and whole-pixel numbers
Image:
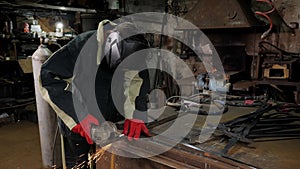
[
  {"x": 61, "y": 8},
  {"x": 46, "y": 116},
  {"x": 63, "y": 155}
]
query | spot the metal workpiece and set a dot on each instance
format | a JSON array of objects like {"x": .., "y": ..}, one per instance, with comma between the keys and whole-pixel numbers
[
  {"x": 105, "y": 134},
  {"x": 226, "y": 14},
  {"x": 180, "y": 156},
  {"x": 243, "y": 152}
]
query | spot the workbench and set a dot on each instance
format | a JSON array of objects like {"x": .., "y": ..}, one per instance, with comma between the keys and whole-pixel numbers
[{"x": 190, "y": 154}]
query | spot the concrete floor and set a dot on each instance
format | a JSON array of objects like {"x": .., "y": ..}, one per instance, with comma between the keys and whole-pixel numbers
[{"x": 20, "y": 146}]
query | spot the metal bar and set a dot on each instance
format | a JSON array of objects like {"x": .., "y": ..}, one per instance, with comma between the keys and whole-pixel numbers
[
  {"x": 176, "y": 157},
  {"x": 17, "y": 106},
  {"x": 248, "y": 117},
  {"x": 278, "y": 82},
  {"x": 277, "y": 125},
  {"x": 217, "y": 156},
  {"x": 162, "y": 121},
  {"x": 274, "y": 135},
  {"x": 289, "y": 119},
  {"x": 61, "y": 8}
]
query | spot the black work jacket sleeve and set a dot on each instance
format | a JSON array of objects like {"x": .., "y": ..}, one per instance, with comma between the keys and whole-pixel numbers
[
  {"x": 56, "y": 77},
  {"x": 142, "y": 99}
]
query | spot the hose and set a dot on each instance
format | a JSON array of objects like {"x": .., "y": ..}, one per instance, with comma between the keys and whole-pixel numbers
[
  {"x": 293, "y": 54},
  {"x": 265, "y": 14}
]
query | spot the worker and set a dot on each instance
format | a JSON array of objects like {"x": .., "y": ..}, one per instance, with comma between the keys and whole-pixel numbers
[{"x": 56, "y": 76}]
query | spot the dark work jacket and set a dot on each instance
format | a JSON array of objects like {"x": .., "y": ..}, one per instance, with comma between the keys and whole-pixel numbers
[{"x": 57, "y": 72}]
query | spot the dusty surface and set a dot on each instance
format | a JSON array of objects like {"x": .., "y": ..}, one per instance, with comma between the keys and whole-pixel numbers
[{"x": 20, "y": 146}]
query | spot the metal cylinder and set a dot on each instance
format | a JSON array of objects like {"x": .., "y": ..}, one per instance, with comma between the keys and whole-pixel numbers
[{"x": 46, "y": 116}]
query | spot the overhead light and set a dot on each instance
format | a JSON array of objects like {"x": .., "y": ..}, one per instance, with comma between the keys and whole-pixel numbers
[
  {"x": 59, "y": 29},
  {"x": 59, "y": 25}
]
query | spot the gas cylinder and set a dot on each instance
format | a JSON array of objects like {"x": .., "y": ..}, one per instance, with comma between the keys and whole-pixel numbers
[{"x": 46, "y": 116}]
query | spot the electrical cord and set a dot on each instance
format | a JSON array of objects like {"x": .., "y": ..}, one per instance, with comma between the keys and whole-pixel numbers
[
  {"x": 189, "y": 99},
  {"x": 261, "y": 45},
  {"x": 186, "y": 103},
  {"x": 265, "y": 14},
  {"x": 230, "y": 101}
]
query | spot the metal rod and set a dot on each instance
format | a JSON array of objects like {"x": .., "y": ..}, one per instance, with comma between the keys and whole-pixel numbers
[{"x": 61, "y": 8}]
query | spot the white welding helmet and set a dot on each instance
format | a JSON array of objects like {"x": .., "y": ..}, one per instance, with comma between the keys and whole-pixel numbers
[{"x": 112, "y": 49}]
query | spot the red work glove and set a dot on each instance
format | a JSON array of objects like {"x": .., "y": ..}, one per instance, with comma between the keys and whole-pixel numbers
[
  {"x": 84, "y": 127},
  {"x": 134, "y": 128}
]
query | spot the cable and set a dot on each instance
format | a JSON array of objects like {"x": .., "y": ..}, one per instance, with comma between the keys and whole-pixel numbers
[
  {"x": 189, "y": 99},
  {"x": 265, "y": 14},
  {"x": 261, "y": 45}
]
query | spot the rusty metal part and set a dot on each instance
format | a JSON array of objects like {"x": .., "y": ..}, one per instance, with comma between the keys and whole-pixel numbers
[
  {"x": 279, "y": 83},
  {"x": 262, "y": 124},
  {"x": 238, "y": 129},
  {"x": 295, "y": 85},
  {"x": 273, "y": 69},
  {"x": 225, "y": 14},
  {"x": 277, "y": 63},
  {"x": 276, "y": 71}
]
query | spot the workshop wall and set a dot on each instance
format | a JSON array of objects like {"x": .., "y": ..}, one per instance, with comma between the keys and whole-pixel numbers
[
  {"x": 136, "y": 6},
  {"x": 290, "y": 11}
]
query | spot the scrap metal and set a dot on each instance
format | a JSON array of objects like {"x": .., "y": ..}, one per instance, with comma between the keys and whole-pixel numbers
[
  {"x": 179, "y": 156},
  {"x": 262, "y": 124}
]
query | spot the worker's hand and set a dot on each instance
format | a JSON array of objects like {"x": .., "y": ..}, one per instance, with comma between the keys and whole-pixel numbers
[
  {"x": 84, "y": 127},
  {"x": 134, "y": 128}
]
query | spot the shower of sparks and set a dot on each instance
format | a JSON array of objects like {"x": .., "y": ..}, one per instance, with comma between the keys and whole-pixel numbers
[
  {"x": 98, "y": 154},
  {"x": 93, "y": 158}
]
